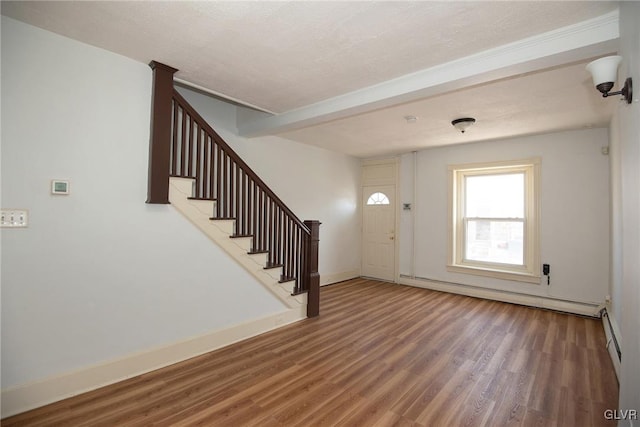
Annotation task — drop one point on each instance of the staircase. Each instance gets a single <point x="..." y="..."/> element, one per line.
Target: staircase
<point x="194" y="169"/>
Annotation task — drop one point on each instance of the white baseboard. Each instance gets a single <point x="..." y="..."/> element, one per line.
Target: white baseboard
<point x="327" y="279"/>
<point x="584" y="309"/>
<point x="33" y="395"/>
<point x="609" y="333"/>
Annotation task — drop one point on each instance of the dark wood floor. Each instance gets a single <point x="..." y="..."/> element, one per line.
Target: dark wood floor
<point x="379" y="354"/>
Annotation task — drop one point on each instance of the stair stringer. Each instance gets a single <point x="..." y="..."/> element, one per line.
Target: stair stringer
<point x="199" y="212"/>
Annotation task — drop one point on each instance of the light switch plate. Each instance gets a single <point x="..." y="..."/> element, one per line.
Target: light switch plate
<point x="14" y="218"/>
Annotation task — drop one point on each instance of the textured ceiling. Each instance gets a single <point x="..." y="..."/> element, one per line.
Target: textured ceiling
<point x="509" y="107"/>
<point x="284" y="56"/>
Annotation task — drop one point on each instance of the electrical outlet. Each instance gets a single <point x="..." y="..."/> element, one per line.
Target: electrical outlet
<point x="14" y="218"/>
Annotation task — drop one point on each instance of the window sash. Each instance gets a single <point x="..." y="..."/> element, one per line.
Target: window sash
<point x="466" y="258"/>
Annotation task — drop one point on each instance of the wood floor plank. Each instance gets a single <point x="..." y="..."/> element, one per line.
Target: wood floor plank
<point x="379" y="354"/>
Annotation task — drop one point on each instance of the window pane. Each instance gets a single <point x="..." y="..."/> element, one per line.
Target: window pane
<point x="495" y="241"/>
<point x="495" y="196"/>
<point x="378" y="199"/>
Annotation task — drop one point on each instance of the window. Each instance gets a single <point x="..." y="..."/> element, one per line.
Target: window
<point x="378" y="199"/>
<point x="494" y="220"/>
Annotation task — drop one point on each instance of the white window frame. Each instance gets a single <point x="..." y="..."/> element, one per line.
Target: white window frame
<point x="530" y="270"/>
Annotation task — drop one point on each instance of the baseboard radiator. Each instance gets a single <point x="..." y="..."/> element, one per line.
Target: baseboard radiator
<point x="550" y="303"/>
<point x="613" y="342"/>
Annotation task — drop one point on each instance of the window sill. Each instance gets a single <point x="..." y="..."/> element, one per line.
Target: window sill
<point x="496" y="274"/>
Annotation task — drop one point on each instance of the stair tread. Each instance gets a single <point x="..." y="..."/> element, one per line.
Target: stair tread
<point x="238" y="236"/>
<point x="202" y="198"/>
<point x="257" y="252"/>
<point x="224" y="218"/>
<point x="270" y="265"/>
<point x="285" y="279"/>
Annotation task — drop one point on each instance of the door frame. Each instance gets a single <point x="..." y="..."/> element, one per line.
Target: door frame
<point x="383" y="171"/>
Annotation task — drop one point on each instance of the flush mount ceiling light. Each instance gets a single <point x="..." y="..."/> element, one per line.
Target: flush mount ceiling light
<point x="604" y="72"/>
<point x="463" y="123"/>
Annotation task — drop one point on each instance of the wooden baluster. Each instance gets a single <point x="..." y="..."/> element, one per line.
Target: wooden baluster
<point x="278" y="251"/>
<point x="183" y="143"/>
<point x="254" y="209"/>
<point x="270" y="227"/>
<point x="198" y="173"/>
<point x="185" y="146"/>
<point x="231" y="194"/>
<point x="294" y="254"/>
<point x="299" y="257"/>
<point x="174" y="140"/>
<point x="218" y="181"/>
<point x="265" y="231"/>
<point x="237" y="205"/>
<point x="259" y="211"/>
<point x="244" y="204"/>
<point x="192" y="147"/>
<point x="230" y="191"/>
<point x="212" y="168"/>
<point x="209" y="172"/>
<point x="189" y="156"/>
<point x="276" y="234"/>
<point x="267" y="206"/>
<point x="285" y="271"/>
<point x="289" y="249"/>
<point x="225" y="183"/>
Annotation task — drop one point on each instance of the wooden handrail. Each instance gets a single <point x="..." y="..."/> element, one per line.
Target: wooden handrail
<point x="183" y="144"/>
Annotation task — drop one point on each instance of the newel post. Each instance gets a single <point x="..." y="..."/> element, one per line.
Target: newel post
<point x="313" y="277"/>
<point x="160" y="141"/>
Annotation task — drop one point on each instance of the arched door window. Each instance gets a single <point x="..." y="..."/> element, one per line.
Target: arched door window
<point x="378" y="199"/>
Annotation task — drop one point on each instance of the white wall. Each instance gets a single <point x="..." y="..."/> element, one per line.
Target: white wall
<point x="626" y="213"/>
<point x="99" y="274"/>
<point x="315" y="184"/>
<point x="574" y="220"/>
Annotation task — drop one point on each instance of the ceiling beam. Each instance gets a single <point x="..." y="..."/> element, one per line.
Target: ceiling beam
<point x="573" y="43"/>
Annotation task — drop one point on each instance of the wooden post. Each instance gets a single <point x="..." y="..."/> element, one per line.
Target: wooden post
<point x="160" y="141"/>
<point x="313" y="277"/>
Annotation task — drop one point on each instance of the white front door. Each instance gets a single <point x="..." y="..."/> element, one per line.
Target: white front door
<point x="378" y="232"/>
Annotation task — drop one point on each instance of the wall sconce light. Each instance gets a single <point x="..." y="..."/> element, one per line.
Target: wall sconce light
<point x="604" y="72"/>
<point x="463" y="124"/>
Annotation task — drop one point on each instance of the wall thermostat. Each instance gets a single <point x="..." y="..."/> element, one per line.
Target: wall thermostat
<point x="59" y="186"/>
